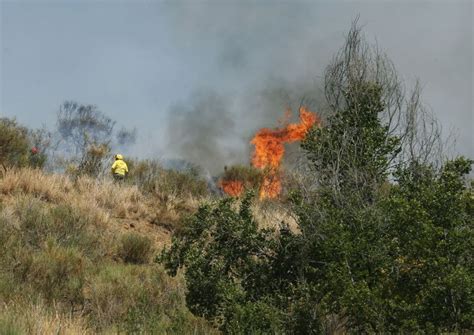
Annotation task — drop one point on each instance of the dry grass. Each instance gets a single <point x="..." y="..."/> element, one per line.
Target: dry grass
<point x="85" y="193"/>
<point x="120" y="293"/>
<point x="36" y="183"/>
<point x="28" y="318"/>
<point x="270" y="214"/>
<point x="53" y="227"/>
<point x="122" y="207"/>
<point x="103" y="200"/>
<point x="60" y="269"/>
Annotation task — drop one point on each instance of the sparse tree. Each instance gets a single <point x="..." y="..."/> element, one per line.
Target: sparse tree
<point x="87" y="135"/>
<point x="401" y="111"/>
<point x="83" y="125"/>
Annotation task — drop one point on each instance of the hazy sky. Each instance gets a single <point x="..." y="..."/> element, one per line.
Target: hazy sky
<point x="161" y="66"/>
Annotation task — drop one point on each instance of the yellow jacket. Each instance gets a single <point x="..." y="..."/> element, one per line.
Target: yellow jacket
<point x="119" y="167"/>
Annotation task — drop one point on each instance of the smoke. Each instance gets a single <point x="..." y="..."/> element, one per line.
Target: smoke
<point x="198" y="130"/>
<point x="262" y="61"/>
<point x="213" y="130"/>
<point x="143" y="62"/>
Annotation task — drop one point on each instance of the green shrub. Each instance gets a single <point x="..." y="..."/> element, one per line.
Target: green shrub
<point x="14" y="146"/>
<point x="135" y="248"/>
<point x="255" y="318"/>
<point x="16" y="143"/>
<point x="226" y="258"/>
<point x="387" y="265"/>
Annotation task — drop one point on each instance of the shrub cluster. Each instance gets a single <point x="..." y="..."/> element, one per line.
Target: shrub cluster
<point x="391" y="266"/>
<point x="135" y="248"/>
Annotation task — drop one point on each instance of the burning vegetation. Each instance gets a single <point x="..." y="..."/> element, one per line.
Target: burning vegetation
<point x="233" y="188"/>
<point x="268" y="155"/>
<point x="238" y="178"/>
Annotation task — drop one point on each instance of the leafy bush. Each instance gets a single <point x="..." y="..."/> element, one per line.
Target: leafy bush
<point x="182" y="183"/>
<point x="225" y="254"/>
<point x="17" y="143"/>
<point x="14" y="145"/>
<point x="135" y="248"/>
<point x="255" y="318"/>
<point x="41" y="142"/>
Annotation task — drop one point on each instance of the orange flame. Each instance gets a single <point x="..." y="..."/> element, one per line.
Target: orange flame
<point x="234" y="188"/>
<point x="269" y="152"/>
<point x="270" y="149"/>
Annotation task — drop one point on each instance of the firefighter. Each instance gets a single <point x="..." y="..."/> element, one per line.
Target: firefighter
<point x="119" y="168"/>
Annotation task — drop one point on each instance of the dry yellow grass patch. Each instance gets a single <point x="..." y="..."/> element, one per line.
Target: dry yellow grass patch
<point x="121" y="200"/>
<point x="36" y="183"/>
<point x="100" y="198"/>
<point x="274" y="215"/>
<point x="119" y="207"/>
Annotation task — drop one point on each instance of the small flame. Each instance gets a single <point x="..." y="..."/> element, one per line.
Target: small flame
<point x="234" y="188"/>
<point x="271" y="185"/>
<point x="270" y="149"/>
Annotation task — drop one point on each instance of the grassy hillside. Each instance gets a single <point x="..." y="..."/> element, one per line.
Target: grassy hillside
<point x="77" y="257"/>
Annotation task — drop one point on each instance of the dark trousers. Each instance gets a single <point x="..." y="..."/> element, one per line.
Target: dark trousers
<point x="118" y="177"/>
